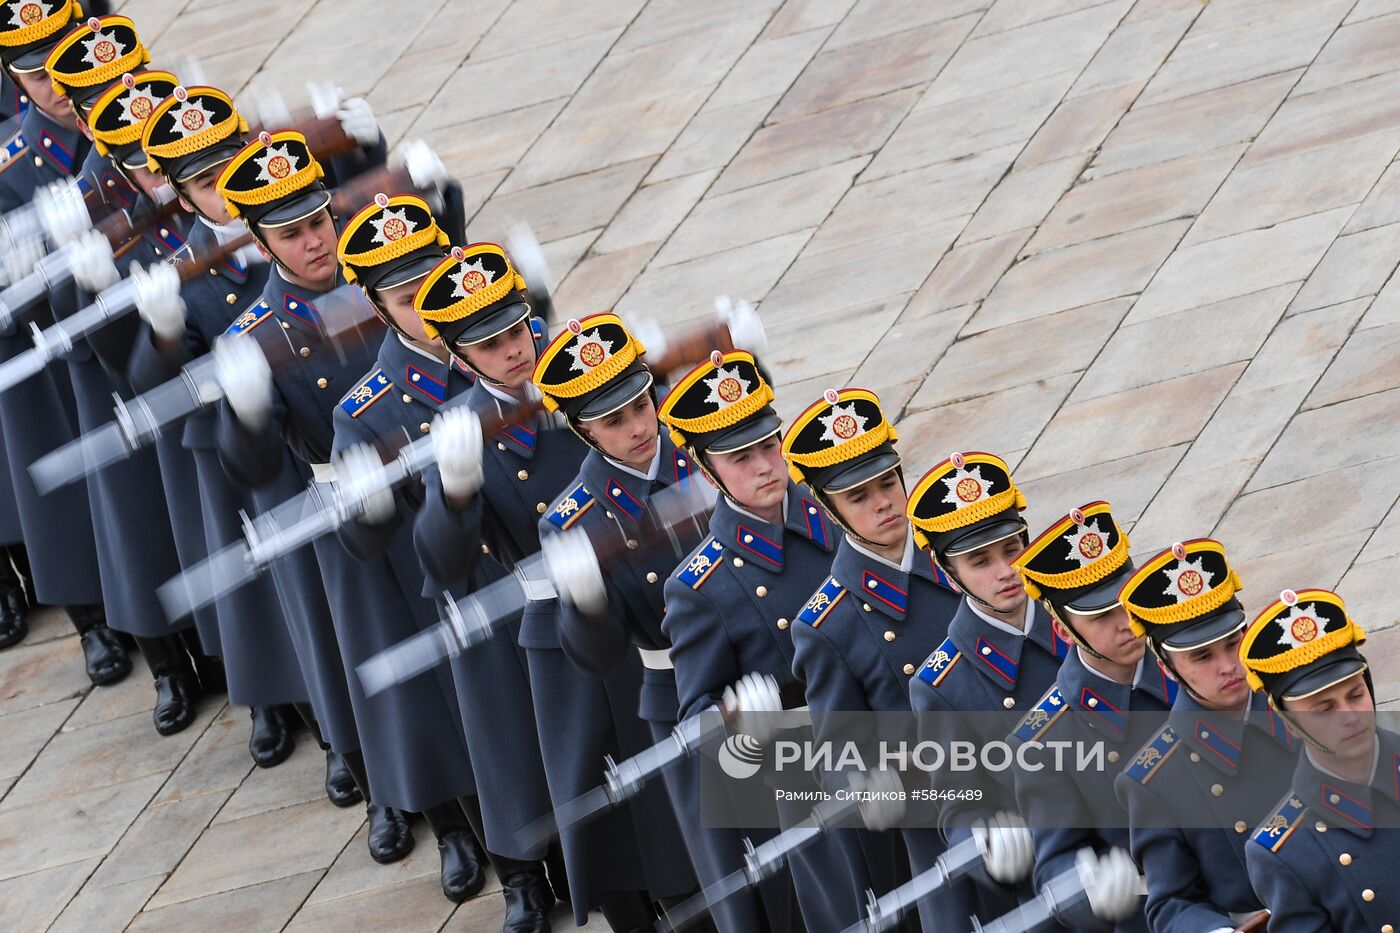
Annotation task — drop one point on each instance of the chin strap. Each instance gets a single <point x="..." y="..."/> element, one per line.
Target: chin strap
<point x="1074" y="636"/>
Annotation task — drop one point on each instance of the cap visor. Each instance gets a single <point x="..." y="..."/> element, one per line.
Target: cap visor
<point x="298" y="208"/>
<point x="1103" y="596"/>
<point x="981" y="535"/>
<point x="1327" y="676"/>
<point x="131" y="157"/>
<point x="861" y="472"/>
<point x="1207" y="631"/>
<point x="201" y="162"/>
<point x="401" y="272"/>
<point x="745" y="434"/>
<point x="33" y="60"/>
<point x="483" y="326"/>
<point x="616" y="396"/>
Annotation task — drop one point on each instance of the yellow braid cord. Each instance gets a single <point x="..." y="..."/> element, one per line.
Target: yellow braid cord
<point x="43" y="28"/>
<point x="197" y="142"/>
<point x="1114" y="558"/>
<point x="1202" y="604"/>
<point x="482" y="298"/>
<point x="841" y="453"/>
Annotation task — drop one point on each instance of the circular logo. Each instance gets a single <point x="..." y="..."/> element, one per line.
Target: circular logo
<point x="1179" y="551"/>
<point x="1190" y="582"/>
<point x="381" y="199"/>
<point x="180" y="94"/>
<point x="1304" y="628"/>
<point x="741" y="756"/>
<point x="1091" y="545"/>
<point x="141" y="108"/>
<point x="1076" y="516"/>
<point x="957" y="460"/>
<point x="716" y="358"/>
<point x="128" y="81"/>
<point x="831" y="396"/>
<point x="472" y="280"/>
<point x="844" y="427"/>
<point x="279" y="167"/>
<point x="1288" y="598"/>
<point x="574" y="326"/>
<point x="969" y="490"/>
<point x="192" y="120"/>
<point x="104" y="51"/>
<point x="31" y="13"/>
<point x="458" y="253"/>
<point x="591" y="354"/>
<point x="265" y="138"/>
<point x="730" y="390"/>
<point x="395" y="229"/>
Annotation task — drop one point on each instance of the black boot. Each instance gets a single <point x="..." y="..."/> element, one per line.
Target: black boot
<point x="14" y="604"/>
<point x="341" y="788"/>
<point x="209" y="668"/>
<point x="271" y="742"/>
<point x="629" y="912"/>
<point x="390" y="837"/>
<point x="176" y="685"/>
<point x="103" y="653"/>
<point x="463" y="859"/>
<point x="529" y="897"/>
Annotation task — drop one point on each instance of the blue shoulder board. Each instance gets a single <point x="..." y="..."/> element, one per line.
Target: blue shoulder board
<point x="703" y="561"/>
<point x="937" y="665"/>
<point x="822" y="602"/>
<point x="537" y="328"/>
<point x="13" y="147"/>
<point x="370" y="390"/>
<point x="578" y="501"/>
<point x="1279" y="825"/>
<point x="249" y="319"/>
<point x="1051" y="707"/>
<point x="1150" y="758"/>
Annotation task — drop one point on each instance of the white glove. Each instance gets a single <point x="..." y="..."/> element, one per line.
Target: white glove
<point x="1111" y="881"/>
<point x="358" y="479"/>
<point x="1007" y="848"/>
<point x="158" y="299"/>
<point x="457" y="446"/>
<point x="325" y="98"/>
<point x="62" y="212"/>
<point x="270" y="107"/>
<point x="243" y="374"/>
<point x="424" y="167"/>
<point x="884" y="805"/>
<point x="90" y="260"/>
<point x="357" y="120"/>
<point x="527" y="256"/>
<point x="750" y="698"/>
<point x="651" y="336"/>
<point x="573" y="568"/>
<point x="21" y="257"/>
<point x="745" y="329"/>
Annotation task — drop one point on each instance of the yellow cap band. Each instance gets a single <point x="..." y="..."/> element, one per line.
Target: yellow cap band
<point x="42" y="29"/>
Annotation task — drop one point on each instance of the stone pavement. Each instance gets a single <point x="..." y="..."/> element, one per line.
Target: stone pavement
<point x="1144" y="250"/>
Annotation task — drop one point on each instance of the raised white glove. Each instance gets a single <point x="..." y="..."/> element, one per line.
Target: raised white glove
<point x="424" y="167"/>
<point x="359" y="480"/>
<point x="745" y="329"/>
<point x="90" y="260"/>
<point x="456" y="435"/>
<point x="270" y="107"/>
<point x="751" y="697"/>
<point x="62" y="212"/>
<point x="243" y="374"/>
<point x="325" y="98"/>
<point x="20" y="257"/>
<point x="158" y="299"/>
<point x="573" y="568"/>
<point x="527" y="256"/>
<point x="651" y="336"/>
<point x="358" y="121"/>
<point x="1111" y="881"/>
<point x="881" y="797"/>
<point x="1007" y="847"/>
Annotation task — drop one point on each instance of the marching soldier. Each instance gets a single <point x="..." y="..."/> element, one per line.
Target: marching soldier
<point x="282" y="378"/>
<point x="187" y="139"/>
<point x="393" y="249"/>
<point x="1210" y="774"/>
<point x="1001" y="654"/>
<point x="1076" y="568"/>
<point x="594" y="372"/>
<point x="40" y="414"/>
<point x="1325" y="857"/>
<point x="136" y="549"/>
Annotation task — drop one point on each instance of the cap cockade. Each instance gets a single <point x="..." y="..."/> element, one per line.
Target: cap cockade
<point x="720" y="406"/>
<point x="840" y="442"/>
<point x="1079" y="562"/>
<point x="1303" y="643"/>
<point x="1184" y="597"/>
<point x="964" y="503"/>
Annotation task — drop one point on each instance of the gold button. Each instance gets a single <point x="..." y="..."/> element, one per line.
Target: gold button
<point x="1008" y="702"/>
<point x="540" y="507"/>
<point x="424" y="427"/>
<point x="305" y="351"/>
<point x="38" y="161"/>
<point x="748" y="539"/>
<point x="631" y="544"/>
<point x="1240" y="826"/>
<point x="500" y="446"/>
<point x="1216" y="790"/>
<point x="908" y="669"/>
<point x="414" y="377"/>
<point x="865" y="606"/>
<point x="1334" y="799"/>
<point x="211" y="271"/>
<point x="738" y="562"/>
<point x="1387" y="928"/>
<point x="407" y="398"/>
<point x="889" y="636"/>
<point x="1112" y="757"/>
<point x="651" y="577"/>
<point x="760" y="591"/>
<point x="1196" y="759"/>
<point x="48" y="143"/>
<point x="1344" y="858"/>
<point x="680" y="461"/>
<point x="1368" y="895"/>
<point x="230" y="298"/>
<point x="24" y="98"/>
<point x="156" y="251"/>
<point x="522" y="475"/>
<point x="1091" y="702"/>
<point x="783" y="624"/>
<point x="164" y="232"/>
<point x="1204" y="735"/>
<point x="811" y="510"/>
<point x="485" y="549"/>
<point x="986" y="650"/>
<point x="1320" y="826"/>
<point x="322" y="382"/>
<point x="291" y="306"/>
<point x="285" y="325"/>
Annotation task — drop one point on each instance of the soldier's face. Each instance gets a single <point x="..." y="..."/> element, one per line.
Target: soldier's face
<point x="397" y="302"/>
<point x="875" y="510"/>
<point x="507" y="358"/>
<point x="756" y="477"/>
<point x="987" y="574"/>
<point x="1341" y="718"/>
<point x="1214" y="673"/>
<point x="149" y="182"/>
<point x="201" y="194"/>
<point x="305" y="249"/>
<point x="628" y="435"/>
<point x="39" y="89"/>
<point x="1109" y="634"/>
